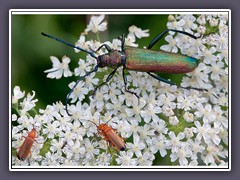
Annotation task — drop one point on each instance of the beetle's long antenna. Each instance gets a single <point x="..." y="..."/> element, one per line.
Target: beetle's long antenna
<point x="159" y="36"/>
<point x="75" y="85"/>
<point x="81" y="78"/>
<point x="68" y="44"/>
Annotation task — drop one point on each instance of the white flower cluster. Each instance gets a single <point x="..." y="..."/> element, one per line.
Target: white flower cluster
<point x="188" y="127"/>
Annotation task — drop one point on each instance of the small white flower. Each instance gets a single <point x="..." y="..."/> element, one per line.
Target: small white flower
<point x="173" y="120"/>
<point x="175" y="141"/>
<point x="196" y="148"/>
<point x="173" y="25"/>
<point x="193" y="163"/>
<point x="221" y="40"/>
<point x="104" y="159"/>
<point x="189" y="117"/>
<point x="220" y="120"/>
<point x="159" y="144"/>
<point x="202" y="131"/>
<point x="217" y="70"/>
<point x="134" y="127"/>
<point x="59" y="69"/>
<point x="138" y="32"/>
<point x="205" y="112"/>
<point x="25" y="122"/>
<point x="167" y="111"/>
<point x="82" y="68"/>
<point x="122" y="127"/>
<point x="188" y="132"/>
<point x="56" y="146"/>
<point x="16" y="133"/>
<point x="130" y="40"/>
<point x="211" y="154"/>
<point x="91" y="149"/>
<point x="126" y="159"/>
<point x="182" y="154"/>
<point x="198" y="78"/>
<point x="52" y="129"/>
<point x="171" y="47"/>
<point x="96" y="24"/>
<point x="185" y="102"/>
<point x="137" y="78"/>
<point x="167" y="101"/>
<point x="201" y="19"/>
<point x="213" y="22"/>
<point x="150" y="113"/>
<point x="28" y="103"/>
<point x="114" y="106"/>
<point x="208" y="54"/>
<point x="78" y="130"/>
<point x="91" y="81"/>
<point x="17" y="94"/>
<point x="76" y="150"/>
<point x="146" y="159"/>
<point x="137" y="146"/>
<point x="50" y="159"/>
<point x="82" y="43"/>
<point x="187" y="22"/>
<point x="79" y="91"/>
<point x="136" y="109"/>
<point x="159" y="126"/>
<point x="98" y="101"/>
<point x="213" y="133"/>
<point x="146" y="132"/>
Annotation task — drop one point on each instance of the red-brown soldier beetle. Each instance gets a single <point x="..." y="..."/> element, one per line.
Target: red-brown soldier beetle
<point x="110" y="135"/>
<point x="25" y="148"/>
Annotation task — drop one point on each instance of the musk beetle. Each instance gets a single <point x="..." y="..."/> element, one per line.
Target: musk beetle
<point x="139" y="59"/>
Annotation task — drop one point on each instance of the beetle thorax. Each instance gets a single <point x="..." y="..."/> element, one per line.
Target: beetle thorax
<point x="111" y="59"/>
<point x="32" y="134"/>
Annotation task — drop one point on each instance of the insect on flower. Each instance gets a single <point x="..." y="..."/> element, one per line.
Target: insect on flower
<point x="25" y="148"/>
<point x="138" y="59"/>
<point x="64" y="144"/>
<point x="110" y="135"/>
<point x="156" y="133"/>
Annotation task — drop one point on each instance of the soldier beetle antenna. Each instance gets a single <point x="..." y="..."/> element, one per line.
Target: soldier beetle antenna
<point x="108" y="120"/>
<point x="93" y="123"/>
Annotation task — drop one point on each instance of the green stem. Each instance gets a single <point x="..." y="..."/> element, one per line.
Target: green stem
<point x="34" y="110"/>
<point x="98" y="37"/>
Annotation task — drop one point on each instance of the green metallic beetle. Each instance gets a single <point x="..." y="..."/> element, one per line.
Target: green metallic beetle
<point x="138" y="59"/>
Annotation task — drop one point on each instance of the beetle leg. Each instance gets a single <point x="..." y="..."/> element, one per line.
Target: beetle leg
<point x="108" y="79"/>
<point x="23" y="137"/>
<point x="104" y="45"/>
<point x="160" y="35"/>
<point x="125" y="84"/>
<point x="173" y="83"/>
<point x="80" y="79"/>
<point x="122" y="38"/>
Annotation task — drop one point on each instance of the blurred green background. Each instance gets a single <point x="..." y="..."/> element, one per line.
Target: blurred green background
<point x="30" y="51"/>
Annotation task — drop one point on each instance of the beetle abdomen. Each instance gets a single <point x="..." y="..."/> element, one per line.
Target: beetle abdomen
<point x="147" y="60"/>
<point x="25" y="149"/>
